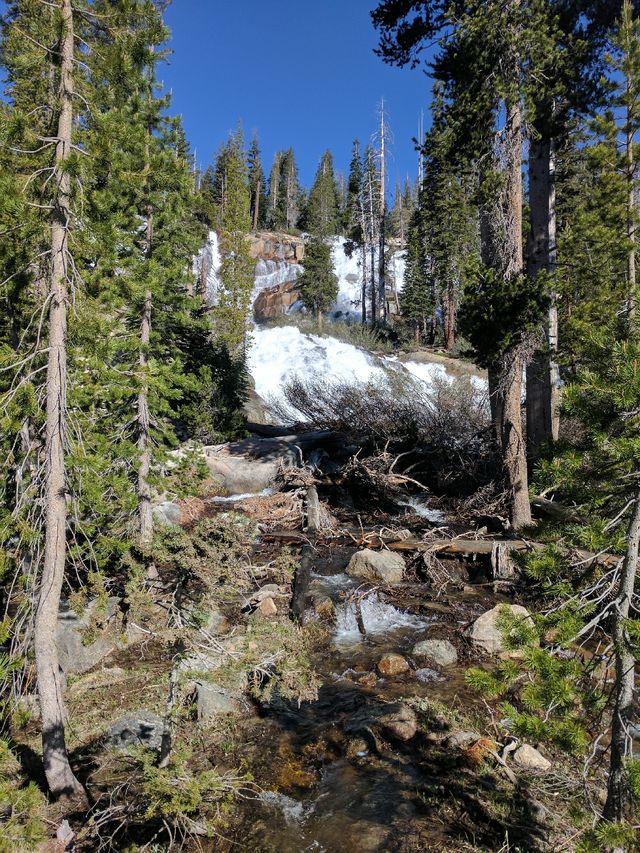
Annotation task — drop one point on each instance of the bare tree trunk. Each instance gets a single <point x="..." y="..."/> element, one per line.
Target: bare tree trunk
<point x="543" y="379"/>
<point x="449" y="316"/>
<point x="256" y="207"/>
<point x="364" y="283"/>
<point x="618" y="790"/>
<point x="513" y="446"/>
<point x="374" y="307"/>
<point x="60" y="777"/>
<point x="145" y="512"/>
<point x="512" y="442"/>
<point x="382" y="296"/>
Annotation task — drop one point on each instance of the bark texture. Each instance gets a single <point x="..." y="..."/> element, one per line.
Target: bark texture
<point x="618" y="792"/>
<point x="543" y="377"/>
<point x="60" y="777"/>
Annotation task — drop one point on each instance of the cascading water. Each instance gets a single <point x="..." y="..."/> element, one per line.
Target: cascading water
<point x="379" y="619"/>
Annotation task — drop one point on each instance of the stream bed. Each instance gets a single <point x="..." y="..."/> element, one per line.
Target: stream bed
<point x="349" y="770"/>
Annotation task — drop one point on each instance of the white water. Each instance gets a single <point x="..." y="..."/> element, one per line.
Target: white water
<point x="420" y="508"/>
<point x="378" y="619"/>
<point x="270" y="274"/>
<point x="218" y="499"/>
<point x="281" y="353"/>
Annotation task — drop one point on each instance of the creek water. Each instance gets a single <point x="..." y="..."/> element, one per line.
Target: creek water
<point x="338" y="784"/>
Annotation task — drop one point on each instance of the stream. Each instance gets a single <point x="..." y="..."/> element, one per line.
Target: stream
<point x="341" y="780"/>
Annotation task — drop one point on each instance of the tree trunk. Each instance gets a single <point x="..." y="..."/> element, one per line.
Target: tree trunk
<point x="618" y="791"/>
<point x="382" y="296"/>
<point x="512" y="442"/>
<point x="374" y="311"/>
<point x="364" y="284"/>
<point x="256" y="207"/>
<point x="631" y="202"/>
<point x="60" y="777"/>
<point x="513" y="447"/>
<point x="543" y="380"/>
<point x="449" y="317"/>
<point x="144" y="438"/>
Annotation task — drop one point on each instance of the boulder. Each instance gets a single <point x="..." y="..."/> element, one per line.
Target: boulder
<point x="485" y="634"/>
<point x="441" y="652"/>
<point x="213" y="701"/>
<point x="529" y="758"/>
<point x="167" y="513"/>
<point x="143" y="729"/>
<point x="392" y="664"/>
<point x="275" y="301"/>
<point x="461" y="740"/>
<point x="398" y="721"/>
<point x="377" y="566"/>
<point x="267" y="608"/>
<point x="251" y="465"/>
<point x="75" y="655"/>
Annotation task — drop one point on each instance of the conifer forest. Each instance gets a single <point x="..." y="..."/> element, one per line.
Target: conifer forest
<point x="320" y="497"/>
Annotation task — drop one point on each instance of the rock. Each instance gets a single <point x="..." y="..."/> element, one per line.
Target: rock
<point x="529" y="758"/>
<point x="427" y="675"/>
<point x="357" y="748"/>
<point x="441" y="652"/>
<point x="217" y="623"/>
<point x="398" y="721"/>
<point x="392" y="664"/>
<point x="142" y="729"/>
<point x="385" y="566"/>
<point x="76" y="656"/>
<point x="485" y="634"/>
<point x="213" y="701"/>
<point x="461" y="740"/>
<point x="251" y="465"/>
<point x="369" y="679"/>
<point x="326" y="610"/>
<point x="275" y="301"/>
<point x="167" y="513"/>
<point x="267" y="608"/>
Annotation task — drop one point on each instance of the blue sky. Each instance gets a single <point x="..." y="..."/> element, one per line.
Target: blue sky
<point x="301" y="72"/>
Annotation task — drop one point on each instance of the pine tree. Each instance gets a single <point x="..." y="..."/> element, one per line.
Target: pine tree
<point x="289" y="198"/>
<point x="354" y="219"/>
<point x="273" y="209"/>
<point x="237" y="267"/>
<point x="417" y="299"/>
<point x="257" y="187"/>
<point x="321" y="215"/>
<point x="318" y="283"/>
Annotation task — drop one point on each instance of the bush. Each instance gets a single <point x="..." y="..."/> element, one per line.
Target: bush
<point x="444" y="428"/>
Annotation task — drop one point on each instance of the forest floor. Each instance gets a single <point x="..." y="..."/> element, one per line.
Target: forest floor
<point x="360" y="746"/>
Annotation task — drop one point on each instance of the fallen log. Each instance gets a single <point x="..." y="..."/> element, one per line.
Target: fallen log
<point x="459" y="547"/>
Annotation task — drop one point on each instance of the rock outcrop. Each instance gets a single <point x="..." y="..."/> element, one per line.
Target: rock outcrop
<point x="274" y="301"/>
<point x="268" y="245"/>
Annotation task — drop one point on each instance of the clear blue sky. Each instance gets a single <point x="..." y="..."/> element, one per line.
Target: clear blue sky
<point x="301" y="72"/>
